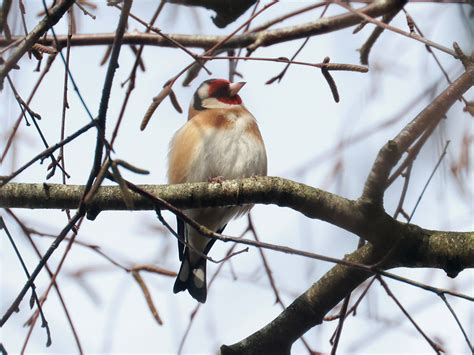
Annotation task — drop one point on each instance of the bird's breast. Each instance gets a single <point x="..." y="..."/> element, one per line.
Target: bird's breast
<point x="232" y="148"/>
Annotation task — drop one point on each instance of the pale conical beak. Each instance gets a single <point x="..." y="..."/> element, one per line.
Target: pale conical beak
<point x="234" y="88"/>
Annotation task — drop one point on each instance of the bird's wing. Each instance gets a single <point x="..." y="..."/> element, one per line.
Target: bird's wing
<point x="181" y="230"/>
<point x="211" y="243"/>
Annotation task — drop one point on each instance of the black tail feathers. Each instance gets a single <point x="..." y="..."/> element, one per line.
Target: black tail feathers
<point x="192" y="278"/>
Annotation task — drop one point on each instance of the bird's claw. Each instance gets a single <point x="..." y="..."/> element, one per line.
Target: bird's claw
<point x="217" y="179"/>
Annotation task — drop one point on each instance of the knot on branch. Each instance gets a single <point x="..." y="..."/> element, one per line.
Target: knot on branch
<point x="453" y="267"/>
<point x="467" y="61"/>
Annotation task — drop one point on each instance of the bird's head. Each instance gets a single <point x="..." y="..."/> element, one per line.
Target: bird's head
<point x="216" y="93"/>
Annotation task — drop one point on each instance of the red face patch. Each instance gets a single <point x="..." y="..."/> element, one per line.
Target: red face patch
<point x="235" y="100"/>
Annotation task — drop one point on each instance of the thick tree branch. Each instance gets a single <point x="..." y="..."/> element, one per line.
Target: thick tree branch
<point x="408" y="245"/>
<point x="261" y="38"/>
<point x="436" y="249"/>
<point x="308" y="310"/>
<point x="312" y="202"/>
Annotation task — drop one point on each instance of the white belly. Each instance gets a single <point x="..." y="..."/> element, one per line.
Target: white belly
<point x="232" y="153"/>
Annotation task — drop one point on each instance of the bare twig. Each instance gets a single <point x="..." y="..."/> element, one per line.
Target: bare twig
<point x="436" y="347"/>
<point x="282" y="18"/>
<point x="391" y="152"/>
<point x="146" y="293"/>
<point x="34" y="297"/>
<point x="16" y="303"/>
<point x="342" y="317"/>
<point x="106" y="91"/>
<point x="397" y="30"/>
<point x="267" y="38"/>
<point x="48" y="21"/>
<point x="367" y="46"/>
<point x="463" y="331"/>
<point x="324" y="65"/>
<point x="132" y="77"/>
<point x="413" y="152"/>
<point x="28" y="232"/>
<point x="32" y="320"/>
<point x="47" y="152"/>
<point x="443" y="154"/>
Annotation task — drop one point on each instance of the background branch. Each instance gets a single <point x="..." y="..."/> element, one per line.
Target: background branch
<point x="308" y="310"/>
<point x="261" y="38"/>
<point x="391" y="152"/>
<point x="49" y="20"/>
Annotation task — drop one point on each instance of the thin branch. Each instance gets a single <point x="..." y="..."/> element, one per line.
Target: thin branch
<point x="32" y="320"/>
<point x="16" y="303"/>
<point x="28" y="232"/>
<point x="323" y="65"/>
<point x="406" y="181"/>
<point x="264" y="38"/>
<point x="34" y="118"/>
<point x="383" y="25"/>
<point x="150" y="28"/>
<point x="443" y="154"/>
<point x="34" y="297"/>
<point x="413" y="152"/>
<point x="147" y="295"/>
<point x="391" y="152"/>
<point x="313" y="203"/>
<point x="266" y="265"/>
<point x="353" y="308"/>
<point x="132" y="77"/>
<point x="342" y="318"/>
<point x="48" y="21"/>
<point x="451" y="310"/>
<point x="106" y="91"/>
<point x="282" y="18"/>
<point x="47" y="152"/>
<point x="45" y="70"/>
<point x="367" y="46"/>
<point x="436" y="347"/>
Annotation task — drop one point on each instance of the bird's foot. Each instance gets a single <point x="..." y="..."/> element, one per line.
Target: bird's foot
<point x="218" y="179"/>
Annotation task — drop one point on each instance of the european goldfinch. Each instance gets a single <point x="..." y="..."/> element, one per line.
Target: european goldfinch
<point x="220" y="140"/>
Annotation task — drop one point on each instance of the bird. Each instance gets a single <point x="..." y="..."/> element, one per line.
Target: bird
<point x="220" y="141"/>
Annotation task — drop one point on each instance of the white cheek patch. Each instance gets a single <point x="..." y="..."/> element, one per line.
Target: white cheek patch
<point x="199" y="277"/>
<point x="203" y="91"/>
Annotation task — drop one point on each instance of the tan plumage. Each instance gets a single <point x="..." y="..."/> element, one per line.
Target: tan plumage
<point x="193" y="133"/>
<point x="222" y="140"/>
